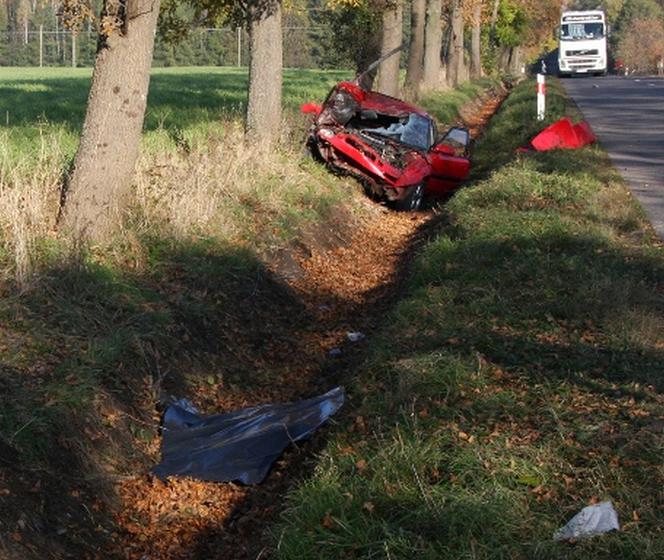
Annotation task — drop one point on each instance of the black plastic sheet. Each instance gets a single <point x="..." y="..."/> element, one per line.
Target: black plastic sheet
<point x="240" y="445"/>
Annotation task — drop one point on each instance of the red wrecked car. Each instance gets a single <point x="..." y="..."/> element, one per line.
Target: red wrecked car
<point x="389" y="145"/>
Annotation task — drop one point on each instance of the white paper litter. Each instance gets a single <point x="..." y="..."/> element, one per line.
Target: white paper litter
<point x="590" y="521"/>
<point x="355" y="336"/>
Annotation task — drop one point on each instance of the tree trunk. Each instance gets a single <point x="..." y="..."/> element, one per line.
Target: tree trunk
<point x="416" y="49"/>
<point x="105" y="160"/>
<point x="516" y="62"/>
<point x="455" y="62"/>
<point x="504" y="59"/>
<point x="370" y="53"/>
<point x="494" y="15"/>
<point x="263" y="124"/>
<point x="476" y="42"/>
<point x="388" y="73"/>
<point x="433" y="38"/>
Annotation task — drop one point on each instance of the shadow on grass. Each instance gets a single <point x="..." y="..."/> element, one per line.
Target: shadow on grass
<point x="206" y="322"/>
<point x="101" y="349"/>
<point x="178" y="97"/>
<point x="549" y="313"/>
<point x="562" y="285"/>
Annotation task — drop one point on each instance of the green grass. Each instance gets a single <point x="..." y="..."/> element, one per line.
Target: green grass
<point x="183" y="102"/>
<point x="181" y="302"/>
<point x="89" y="324"/>
<point x="519" y="380"/>
<point x="444" y="105"/>
<point x="178" y="96"/>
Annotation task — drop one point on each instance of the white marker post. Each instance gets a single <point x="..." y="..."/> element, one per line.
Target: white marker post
<point x="541" y="96"/>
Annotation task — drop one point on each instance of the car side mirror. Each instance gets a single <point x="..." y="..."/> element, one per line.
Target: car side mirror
<point x="456" y="136"/>
<point x="454" y="143"/>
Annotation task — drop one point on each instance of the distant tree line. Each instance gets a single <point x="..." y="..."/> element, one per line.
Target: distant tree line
<point x="496" y="35"/>
<point x="22" y="21"/>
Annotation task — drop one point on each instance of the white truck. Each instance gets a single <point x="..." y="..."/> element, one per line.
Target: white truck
<point x="582" y="45"/>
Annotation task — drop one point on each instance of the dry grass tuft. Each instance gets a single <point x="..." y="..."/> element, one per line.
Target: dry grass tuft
<point x="221" y="189"/>
<point x="229" y="190"/>
<point x="29" y="195"/>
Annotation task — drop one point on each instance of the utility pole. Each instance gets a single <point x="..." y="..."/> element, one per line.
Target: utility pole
<point x="73" y="50"/>
<point x="239" y="47"/>
<point x="57" y="38"/>
<point x="41" y="45"/>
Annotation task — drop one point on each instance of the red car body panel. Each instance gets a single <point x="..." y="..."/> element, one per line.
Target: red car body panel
<point x="379" y="102"/>
<point x="453" y="168"/>
<point x="345" y="145"/>
<point x="565" y="135"/>
<point x="417" y="170"/>
<point x="365" y="156"/>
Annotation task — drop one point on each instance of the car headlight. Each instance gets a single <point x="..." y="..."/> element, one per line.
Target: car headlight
<point x="343" y="106"/>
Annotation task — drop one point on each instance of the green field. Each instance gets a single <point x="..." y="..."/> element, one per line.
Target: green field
<point x="183" y="102"/>
<point x="178" y="96"/>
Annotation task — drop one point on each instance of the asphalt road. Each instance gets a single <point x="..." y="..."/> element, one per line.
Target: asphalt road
<point x="627" y="115"/>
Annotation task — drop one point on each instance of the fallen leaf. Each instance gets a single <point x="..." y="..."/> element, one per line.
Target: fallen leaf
<point x="328" y="521"/>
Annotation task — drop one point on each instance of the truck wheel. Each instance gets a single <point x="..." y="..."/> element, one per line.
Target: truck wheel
<point x="413" y="199"/>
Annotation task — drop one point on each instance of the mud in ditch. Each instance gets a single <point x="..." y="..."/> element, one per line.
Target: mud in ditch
<point x="344" y="288"/>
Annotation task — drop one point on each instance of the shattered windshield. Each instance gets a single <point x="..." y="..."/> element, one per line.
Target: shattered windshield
<point x="416" y="131"/>
<point x="581" y="31"/>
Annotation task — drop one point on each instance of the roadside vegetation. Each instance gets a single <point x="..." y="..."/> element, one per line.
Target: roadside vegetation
<point x="187" y="298"/>
<point x="180" y="254"/>
<point x="519" y="381"/>
<point x="197" y="177"/>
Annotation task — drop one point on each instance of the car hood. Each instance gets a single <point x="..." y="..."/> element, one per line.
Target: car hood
<point x="381" y="103"/>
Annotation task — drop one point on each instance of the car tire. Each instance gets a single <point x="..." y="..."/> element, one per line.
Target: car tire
<point x="412" y="202"/>
<point x="310" y="151"/>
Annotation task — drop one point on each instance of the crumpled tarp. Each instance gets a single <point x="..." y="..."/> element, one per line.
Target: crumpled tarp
<point x="240" y="445"/>
<point x="590" y="521"/>
<point x="563" y="135"/>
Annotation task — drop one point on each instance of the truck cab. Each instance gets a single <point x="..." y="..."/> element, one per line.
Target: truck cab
<point x="582" y="43"/>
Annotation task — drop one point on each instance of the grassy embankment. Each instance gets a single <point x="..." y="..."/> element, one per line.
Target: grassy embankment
<point x="518" y="381"/>
<point x="181" y="301"/>
<point x="195" y="174"/>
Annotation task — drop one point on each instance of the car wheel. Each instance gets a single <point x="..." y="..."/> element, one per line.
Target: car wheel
<point x="413" y="199"/>
<point x="310" y="150"/>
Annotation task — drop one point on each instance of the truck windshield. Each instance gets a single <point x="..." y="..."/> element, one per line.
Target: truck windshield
<point x="581" y="31"/>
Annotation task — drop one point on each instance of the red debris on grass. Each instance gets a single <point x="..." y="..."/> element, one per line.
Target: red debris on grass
<point x="563" y="135"/>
